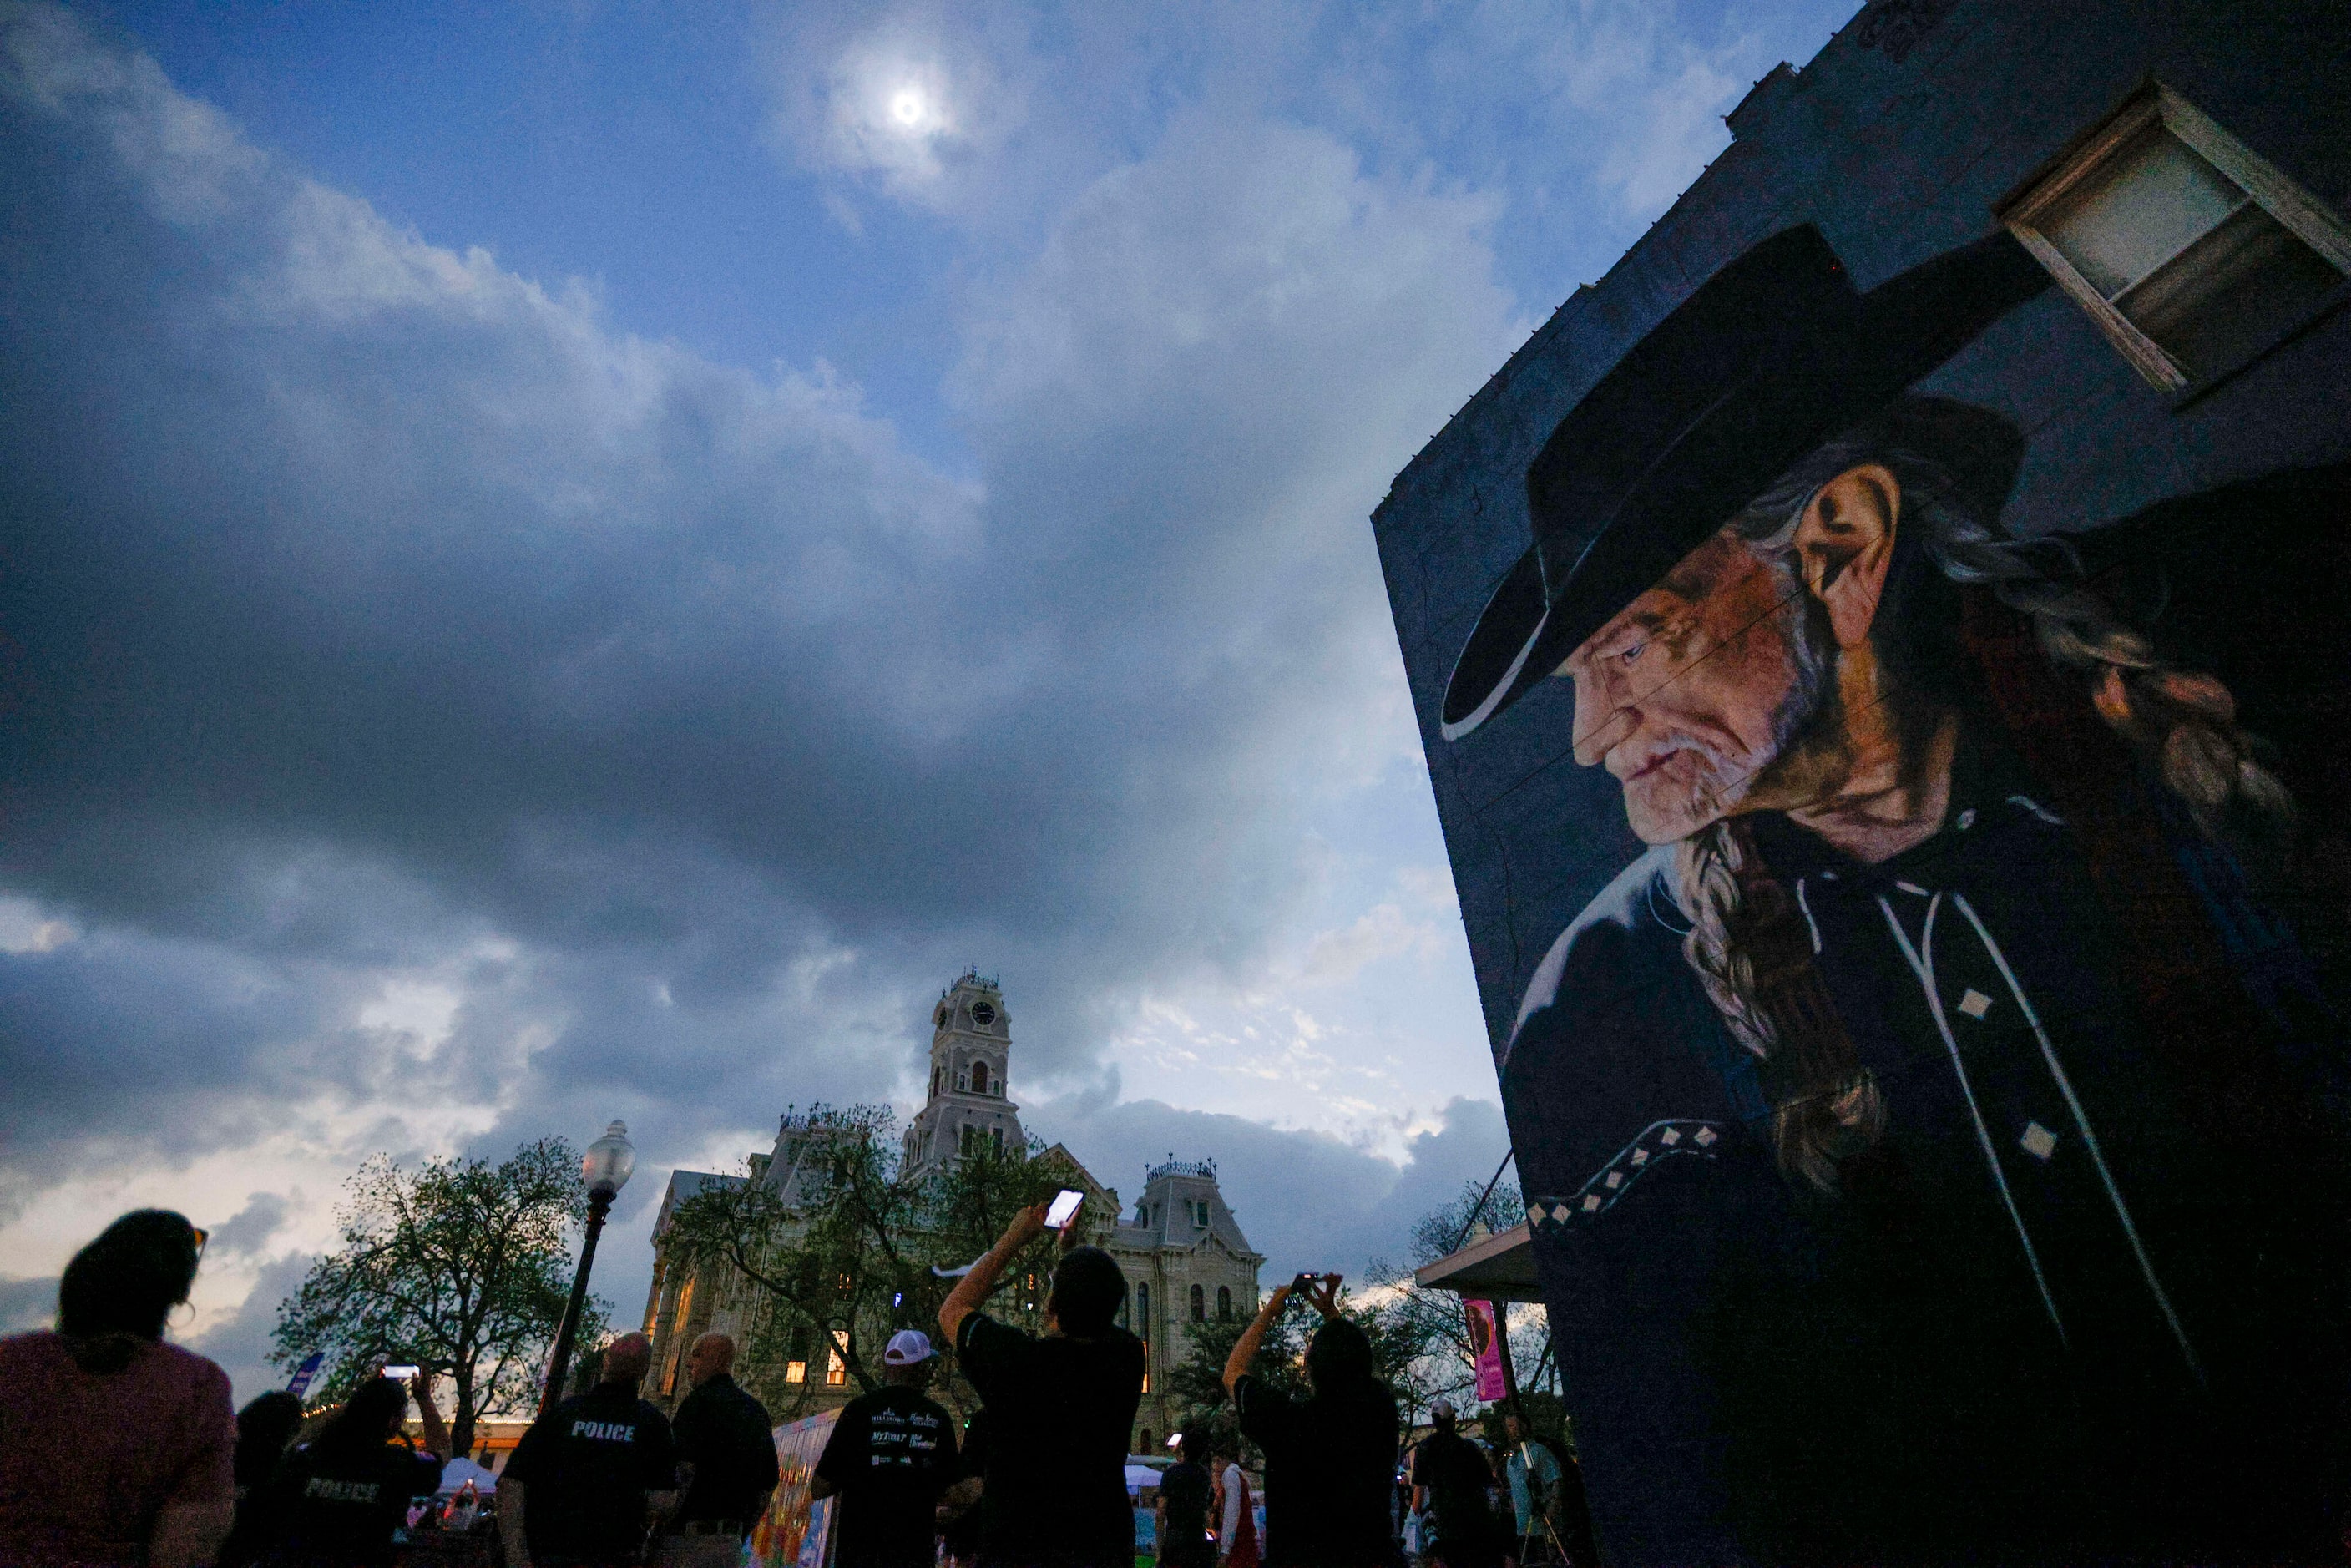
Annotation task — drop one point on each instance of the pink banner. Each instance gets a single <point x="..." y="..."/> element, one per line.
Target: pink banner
<point x="1486" y="1342"/>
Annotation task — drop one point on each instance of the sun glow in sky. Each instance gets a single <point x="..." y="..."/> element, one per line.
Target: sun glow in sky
<point x="897" y="109"/>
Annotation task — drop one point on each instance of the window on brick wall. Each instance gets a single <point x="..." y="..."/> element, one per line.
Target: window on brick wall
<point x="1199" y="1305"/>
<point x="2191" y="251"/>
<point x="1143" y="1311"/>
<point x="1224" y="1303"/>
<point x="796" y="1367"/>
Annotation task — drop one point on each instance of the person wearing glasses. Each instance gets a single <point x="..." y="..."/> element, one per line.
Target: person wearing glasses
<point x="116" y="1447"/>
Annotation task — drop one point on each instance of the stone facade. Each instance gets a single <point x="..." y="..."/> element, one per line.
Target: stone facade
<point x="1186" y="1262"/>
<point x="971" y="1044"/>
<point x="1182" y="1250"/>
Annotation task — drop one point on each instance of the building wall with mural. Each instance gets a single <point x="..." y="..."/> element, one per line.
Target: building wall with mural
<point x="1880" y="654"/>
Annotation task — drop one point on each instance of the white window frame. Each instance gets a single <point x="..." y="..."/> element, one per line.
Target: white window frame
<point x="2293" y="207"/>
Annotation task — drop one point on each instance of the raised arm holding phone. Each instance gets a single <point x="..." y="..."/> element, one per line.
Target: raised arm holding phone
<point x="1329" y="1459"/>
<point x="343" y="1497"/>
<point x="1060" y="1406"/>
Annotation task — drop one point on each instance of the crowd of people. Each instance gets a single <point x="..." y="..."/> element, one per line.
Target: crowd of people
<point x="117" y="1447"/>
<point x="1046" y="1454"/>
<point x="1464" y="1506"/>
<point x="120" y="1450"/>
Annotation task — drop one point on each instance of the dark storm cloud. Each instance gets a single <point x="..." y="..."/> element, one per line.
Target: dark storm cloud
<point x="249" y="1228"/>
<point x="370" y="609"/>
<point x="241" y="1341"/>
<point x="26" y="1304"/>
<point x="136" y="1040"/>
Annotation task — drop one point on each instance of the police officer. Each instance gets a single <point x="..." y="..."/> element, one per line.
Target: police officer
<point x="581" y="1485"/>
<point x="891" y="1454"/>
<point x="726" y="1462"/>
<point x="340" y="1498"/>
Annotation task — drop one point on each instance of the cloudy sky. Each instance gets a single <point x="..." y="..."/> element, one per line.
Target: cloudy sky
<point x="571" y="561"/>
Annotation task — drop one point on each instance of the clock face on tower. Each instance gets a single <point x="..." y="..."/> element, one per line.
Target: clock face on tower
<point x="982" y="1014"/>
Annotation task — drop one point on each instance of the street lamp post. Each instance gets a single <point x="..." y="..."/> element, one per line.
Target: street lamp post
<point x="606" y="1165"/>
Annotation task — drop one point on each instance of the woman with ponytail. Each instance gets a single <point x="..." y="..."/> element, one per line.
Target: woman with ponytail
<point x="116" y="1447"/>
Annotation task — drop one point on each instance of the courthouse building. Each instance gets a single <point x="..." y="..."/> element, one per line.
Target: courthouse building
<point x="1182" y="1249"/>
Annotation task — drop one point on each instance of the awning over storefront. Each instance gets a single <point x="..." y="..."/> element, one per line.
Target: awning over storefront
<point x="1496" y="1268"/>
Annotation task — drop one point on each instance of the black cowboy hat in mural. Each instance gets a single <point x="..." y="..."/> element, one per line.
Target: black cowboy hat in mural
<point x="1771" y="356"/>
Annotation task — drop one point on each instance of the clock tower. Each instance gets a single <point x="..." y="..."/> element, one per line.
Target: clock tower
<point x="971" y="1040"/>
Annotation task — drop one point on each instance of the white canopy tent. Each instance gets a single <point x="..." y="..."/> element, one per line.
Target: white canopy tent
<point x="460" y="1470"/>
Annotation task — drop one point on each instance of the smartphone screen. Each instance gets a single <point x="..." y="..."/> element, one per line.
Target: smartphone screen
<point x="1064" y="1209"/>
<point x="401" y="1373"/>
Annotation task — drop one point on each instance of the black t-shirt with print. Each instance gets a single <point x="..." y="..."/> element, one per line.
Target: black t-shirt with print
<point x="1060" y="1410"/>
<point x="891" y="1454"/>
<point x="585" y="1466"/>
<point x="342" y="1508"/>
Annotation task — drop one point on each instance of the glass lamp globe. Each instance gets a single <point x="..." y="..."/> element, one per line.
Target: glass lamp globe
<point x="609" y="1161"/>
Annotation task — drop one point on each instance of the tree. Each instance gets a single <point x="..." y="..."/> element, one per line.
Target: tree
<point x="1197" y="1386"/>
<point x="848" y="1261"/>
<point x="460" y="1267"/>
<point x="1423" y="1335"/>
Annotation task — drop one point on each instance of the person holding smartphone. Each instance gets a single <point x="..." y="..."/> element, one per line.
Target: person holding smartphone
<point x="343" y="1494"/>
<point x="1059" y="1407"/>
<point x="1329" y="1459"/>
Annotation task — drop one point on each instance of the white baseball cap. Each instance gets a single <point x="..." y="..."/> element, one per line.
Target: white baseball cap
<point x="1442" y="1410"/>
<point x="906" y="1347"/>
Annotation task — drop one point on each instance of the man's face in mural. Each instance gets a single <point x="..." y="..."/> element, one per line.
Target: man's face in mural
<point x="1717" y="690"/>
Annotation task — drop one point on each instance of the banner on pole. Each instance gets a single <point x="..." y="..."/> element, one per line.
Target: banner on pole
<point x="306" y="1372"/>
<point x="1485" y="1342"/>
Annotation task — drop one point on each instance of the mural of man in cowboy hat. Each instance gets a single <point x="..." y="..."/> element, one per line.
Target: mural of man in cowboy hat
<point x="1935" y="1146"/>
